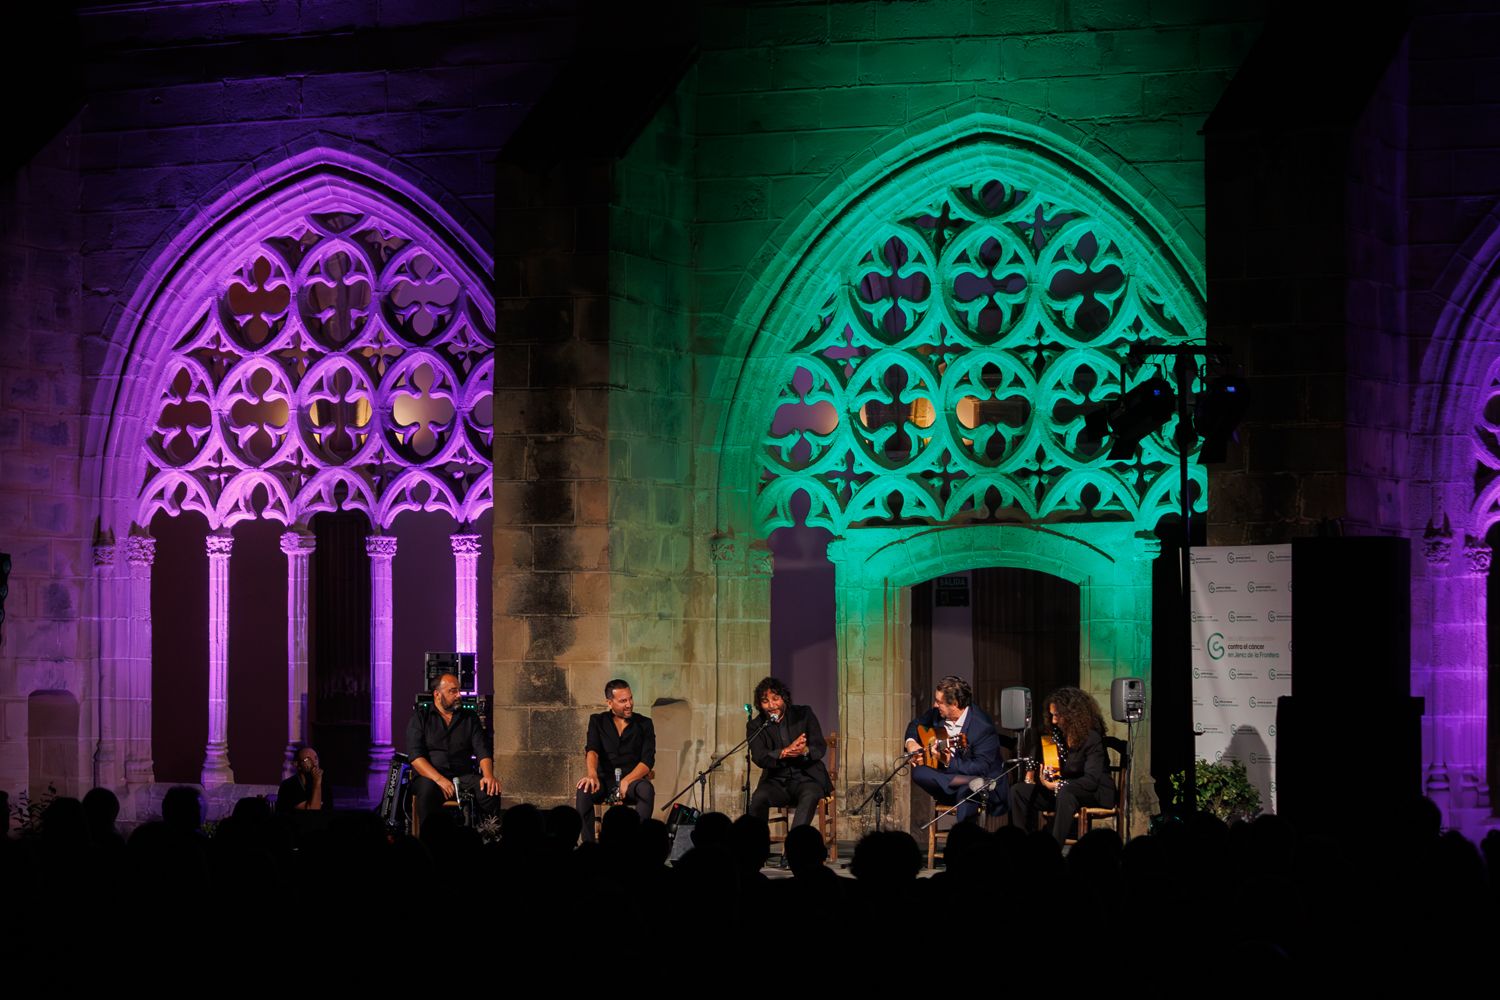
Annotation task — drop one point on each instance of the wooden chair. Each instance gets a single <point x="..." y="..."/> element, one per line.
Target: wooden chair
<point x="1088" y="814"/>
<point x="828" y="806"/>
<point x="933" y="836"/>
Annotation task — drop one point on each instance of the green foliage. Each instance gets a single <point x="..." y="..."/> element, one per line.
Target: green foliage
<point x="1224" y="789"/>
<point x="26" y="815"/>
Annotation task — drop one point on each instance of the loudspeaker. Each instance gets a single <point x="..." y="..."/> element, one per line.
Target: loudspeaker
<point x="680" y="823"/>
<point x="1015" y="708"/>
<point x="1127" y="699"/>
<point x="459" y="664"/>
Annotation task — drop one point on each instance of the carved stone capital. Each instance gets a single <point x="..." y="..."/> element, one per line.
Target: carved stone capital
<point x="219" y="546"/>
<point x="762" y="560"/>
<point x="104" y="555"/>
<point x="1437" y="543"/>
<point x="298" y="543"/>
<point x="140" y="550"/>
<point x="724" y="548"/>
<point x="380" y="546"/>
<point x="464" y="545"/>
<point x="1477" y="556"/>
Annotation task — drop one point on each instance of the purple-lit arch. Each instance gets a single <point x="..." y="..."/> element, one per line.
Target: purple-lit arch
<point x="334" y="330"/>
<point x="1454" y="504"/>
<point x="316" y="336"/>
<point x="324" y="262"/>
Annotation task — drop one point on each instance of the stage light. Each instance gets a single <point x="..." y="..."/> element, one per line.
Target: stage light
<point x="1220" y="407"/>
<point x="1127" y="420"/>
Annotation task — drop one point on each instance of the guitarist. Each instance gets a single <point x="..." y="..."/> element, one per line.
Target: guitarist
<point x="954" y="714"/>
<point x="1082" y="780"/>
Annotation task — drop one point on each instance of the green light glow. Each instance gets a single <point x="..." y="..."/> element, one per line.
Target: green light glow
<point x="944" y="360"/>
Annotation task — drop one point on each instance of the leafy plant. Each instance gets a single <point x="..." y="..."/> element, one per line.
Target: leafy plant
<point x="26" y="815"/>
<point x="1224" y="789"/>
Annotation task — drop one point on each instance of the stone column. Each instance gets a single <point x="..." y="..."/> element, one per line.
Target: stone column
<point x="216" y="769"/>
<point x="466" y="603"/>
<point x="135" y="684"/>
<point x="382" y="551"/>
<point x="299" y="549"/>
<point x="108" y="759"/>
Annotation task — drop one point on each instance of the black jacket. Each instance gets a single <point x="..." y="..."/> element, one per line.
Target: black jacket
<point x="766" y="746"/>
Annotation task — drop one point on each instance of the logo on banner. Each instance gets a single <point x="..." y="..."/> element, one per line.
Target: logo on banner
<point x="1278" y="616"/>
<point x="1223" y="702"/>
<point x="1260" y="588"/>
<point x="1198" y="728"/>
<point x="1216" y="644"/>
<point x="1271" y="731"/>
<point x="1198" y="560"/>
<point x="1271" y="556"/>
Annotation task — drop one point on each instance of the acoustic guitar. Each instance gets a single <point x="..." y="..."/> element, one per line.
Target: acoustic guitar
<point x="936" y="742"/>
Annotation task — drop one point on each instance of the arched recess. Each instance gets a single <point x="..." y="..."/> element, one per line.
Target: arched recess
<point x="317" y="336"/>
<point x="1455" y="505"/>
<point x="918" y="371"/>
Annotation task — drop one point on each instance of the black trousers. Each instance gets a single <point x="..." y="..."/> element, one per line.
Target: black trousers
<point x="429" y="797"/>
<point x="802" y="794"/>
<point x="641" y="794"/>
<point x="1027" y="802"/>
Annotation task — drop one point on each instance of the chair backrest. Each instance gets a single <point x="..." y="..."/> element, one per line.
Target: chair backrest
<point x="1121" y="769"/>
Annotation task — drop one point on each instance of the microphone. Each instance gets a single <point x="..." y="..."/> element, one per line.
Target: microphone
<point x="978" y="785"/>
<point x="775" y="716"/>
<point x="747" y="710"/>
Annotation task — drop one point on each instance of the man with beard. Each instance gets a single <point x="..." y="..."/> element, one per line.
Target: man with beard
<point x="621" y="746"/>
<point x="443" y="740"/>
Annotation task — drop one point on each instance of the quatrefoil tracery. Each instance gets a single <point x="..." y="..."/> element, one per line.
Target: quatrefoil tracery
<point x="342" y="365"/>
<point x="950" y="364"/>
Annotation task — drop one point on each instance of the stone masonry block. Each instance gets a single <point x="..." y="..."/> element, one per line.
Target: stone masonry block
<point x="901" y="21"/>
<point x="1089" y="15"/>
<point x="905" y="62"/>
<point x="815" y="66"/>
<point x="1037" y="56"/>
<point x="822" y="152"/>
<point x="1076" y="97"/>
<point x="862" y="107"/>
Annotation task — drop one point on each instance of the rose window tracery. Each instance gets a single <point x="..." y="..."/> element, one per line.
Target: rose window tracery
<point x="340" y="366"/>
<point x="945" y="369"/>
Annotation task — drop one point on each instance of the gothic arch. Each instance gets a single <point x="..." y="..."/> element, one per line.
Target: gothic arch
<point x="966" y="296"/>
<point x="316" y="336"/>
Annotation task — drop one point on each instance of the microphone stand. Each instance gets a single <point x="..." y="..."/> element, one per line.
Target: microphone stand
<point x="702" y="778"/>
<point x="987" y="784"/>
<point x="745" y="786"/>
<point x="878" y="795"/>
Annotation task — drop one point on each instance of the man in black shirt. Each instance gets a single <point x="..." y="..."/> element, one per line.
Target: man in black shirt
<point x="620" y="743"/>
<point x="304" y="791"/>
<point x="442" y="740"/>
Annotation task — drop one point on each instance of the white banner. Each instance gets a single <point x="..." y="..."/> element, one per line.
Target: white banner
<point x="1242" y="655"/>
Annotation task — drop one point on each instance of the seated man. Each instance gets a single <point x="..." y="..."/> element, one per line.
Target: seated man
<point x="620" y="745"/>
<point x="1083" y="778"/>
<point x="953" y="713"/>
<point x="441" y="740"/>
<point x="304" y="791"/>
<point x="787" y="743"/>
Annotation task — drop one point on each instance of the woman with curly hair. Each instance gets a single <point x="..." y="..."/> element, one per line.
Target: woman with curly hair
<point x="1083" y="778"/>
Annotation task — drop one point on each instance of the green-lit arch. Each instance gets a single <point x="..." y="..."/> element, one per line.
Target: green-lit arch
<point x="806" y="280"/>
